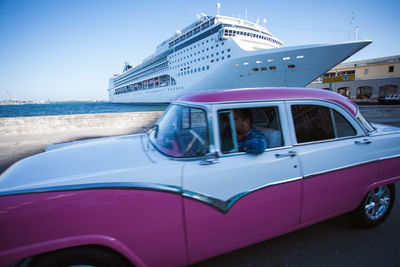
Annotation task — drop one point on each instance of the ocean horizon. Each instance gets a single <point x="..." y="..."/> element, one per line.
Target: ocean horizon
<point x="71" y="108"/>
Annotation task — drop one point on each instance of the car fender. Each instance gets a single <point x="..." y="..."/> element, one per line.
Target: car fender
<point x="11" y="256"/>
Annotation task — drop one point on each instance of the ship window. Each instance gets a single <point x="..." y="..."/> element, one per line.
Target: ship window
<point x="217" y="53"/>
<point x="229" y="56"/>
<point x="212" y="47"/>
<point x="208" y="67"/>
<point x="263" y="68"/>
<point x="391" y="68"/>
<point x="246" y="63"/>
<point x="270" y="60"/>
<point x="195" y="70"/>
<point x="222" y="51"/>
<point x="255" y="69"/>
<point x="272" y="68"/>
<point x="286" y="58"/>
<point x="300" y="57"/>
<point x="229" y="50"/>
<point x="222" y="58"/>
<point x="292" y="66"/>
<point x="198" y="69"/>
<point x="258" y="61"/>
<point x="203" y="68"/>
<point x="212" y="60"/>
<point x="217" y="59"/>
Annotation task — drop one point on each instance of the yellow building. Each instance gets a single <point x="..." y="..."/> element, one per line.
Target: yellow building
<point x="363" y="80"/>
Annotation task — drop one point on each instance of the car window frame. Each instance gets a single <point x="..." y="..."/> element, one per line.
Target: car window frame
<point x="210" y="128"/>
<point x="286" y="138"/>
<point x="360" y="132"/>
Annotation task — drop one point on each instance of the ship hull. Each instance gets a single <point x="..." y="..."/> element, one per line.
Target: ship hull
<point x="294" y="66"/>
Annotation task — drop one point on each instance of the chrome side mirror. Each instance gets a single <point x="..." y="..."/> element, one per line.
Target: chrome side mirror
<point x="210" y="158"/>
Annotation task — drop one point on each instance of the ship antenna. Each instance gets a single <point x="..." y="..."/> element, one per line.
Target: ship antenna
<point x="356" y="33"/>
<point x="264" y="21"/>
<point x="218" y="8"/>
<point x="351" y="25"/>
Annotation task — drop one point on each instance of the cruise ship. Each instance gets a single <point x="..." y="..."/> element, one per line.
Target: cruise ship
<point x="219" y="52"/>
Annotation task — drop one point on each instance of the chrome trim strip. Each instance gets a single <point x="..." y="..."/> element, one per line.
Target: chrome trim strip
<point x="224" y="206"/>
<point x="119" y="185"/>
<point x="220" y="205"/>
<point x="243" y="153"/>
<point x="374" y="134"/>
<point x="350" y="166"/>
<point x="329" y="140"/>
<point x="390" y="157"/>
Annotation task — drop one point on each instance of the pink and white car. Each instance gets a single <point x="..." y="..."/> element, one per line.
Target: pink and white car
<point x="183" y="192"/>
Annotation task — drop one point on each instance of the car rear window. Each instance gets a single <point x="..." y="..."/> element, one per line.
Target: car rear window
<point x="315" y="123"/>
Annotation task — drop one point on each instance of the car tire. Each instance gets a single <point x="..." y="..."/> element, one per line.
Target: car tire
<point x="375" y="207"/>
<point x="80" y="256"/>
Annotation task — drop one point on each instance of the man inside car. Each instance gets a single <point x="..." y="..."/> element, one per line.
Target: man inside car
<point x="250" y="140"/>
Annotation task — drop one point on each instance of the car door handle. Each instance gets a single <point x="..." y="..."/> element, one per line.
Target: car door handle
<point x="363" y="142"/>
<point x="290" y="154"/>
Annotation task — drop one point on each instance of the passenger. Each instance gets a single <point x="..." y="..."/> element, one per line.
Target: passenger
<point x="249" y="139"/>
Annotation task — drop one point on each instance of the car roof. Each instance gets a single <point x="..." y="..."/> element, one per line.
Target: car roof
<point x="268" y="93"/>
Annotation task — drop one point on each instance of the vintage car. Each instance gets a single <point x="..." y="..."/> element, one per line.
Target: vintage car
<point x="184" y="192"/>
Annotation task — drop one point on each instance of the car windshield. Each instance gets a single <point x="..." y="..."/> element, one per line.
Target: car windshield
<point x="181" y="132"/>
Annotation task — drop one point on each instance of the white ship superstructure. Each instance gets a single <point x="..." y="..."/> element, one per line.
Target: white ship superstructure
<point x="218" y="52"/>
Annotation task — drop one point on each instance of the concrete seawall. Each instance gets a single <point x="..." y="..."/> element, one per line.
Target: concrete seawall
<point x="24" y="136"/>
<point x="21" y="137"/>
<point x="97" y="124"/>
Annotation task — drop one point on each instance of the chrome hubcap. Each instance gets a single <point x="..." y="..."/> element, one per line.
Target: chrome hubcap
<point x="377" y="202"/>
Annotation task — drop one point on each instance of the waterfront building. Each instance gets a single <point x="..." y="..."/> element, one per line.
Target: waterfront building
<point x="363" y="80"/>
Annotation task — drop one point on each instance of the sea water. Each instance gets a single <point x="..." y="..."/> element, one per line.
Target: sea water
<point x="69" y="108"/>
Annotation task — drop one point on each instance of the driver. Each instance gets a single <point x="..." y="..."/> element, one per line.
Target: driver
<point x="249" y="139"/>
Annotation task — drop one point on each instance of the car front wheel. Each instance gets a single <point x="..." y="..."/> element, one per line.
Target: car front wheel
<point x="375" y="207"/>
<point x="80" y="256"/>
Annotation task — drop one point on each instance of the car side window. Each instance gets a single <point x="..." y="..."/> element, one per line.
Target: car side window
<point x="342" y="126"/>
<point x="264" y="119"/>
<point x="316" y="123"/>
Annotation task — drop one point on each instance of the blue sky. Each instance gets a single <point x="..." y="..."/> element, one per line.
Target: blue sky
<point x="67" y="49"/>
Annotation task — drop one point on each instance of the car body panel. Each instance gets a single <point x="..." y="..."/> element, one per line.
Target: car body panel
<point x="252" y="219"/>
<point x="97" y="164"/>
<point x="122" y="219"/>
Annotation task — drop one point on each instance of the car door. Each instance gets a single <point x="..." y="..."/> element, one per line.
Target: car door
<point x="243" y="198"/>
<point x="332" y="148"/>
